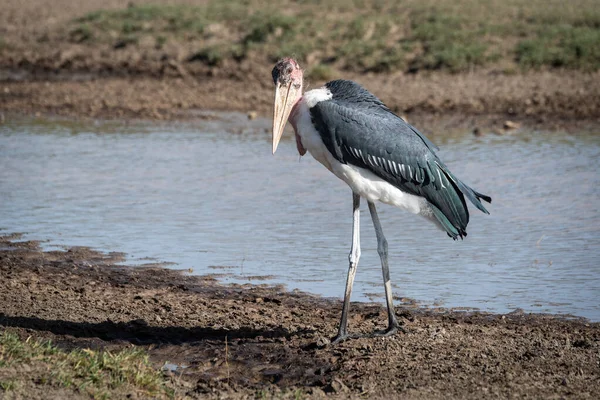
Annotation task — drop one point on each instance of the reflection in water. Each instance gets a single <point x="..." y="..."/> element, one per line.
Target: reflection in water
<point x="214" y="196"/>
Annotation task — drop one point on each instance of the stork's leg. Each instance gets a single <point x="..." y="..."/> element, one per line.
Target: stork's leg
<point x="353" y="264"/>
<point x="382" y="249"/>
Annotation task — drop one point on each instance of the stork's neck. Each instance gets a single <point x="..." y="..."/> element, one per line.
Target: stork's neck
<point x="293" y="119"/>
<point x="295" y="113"/>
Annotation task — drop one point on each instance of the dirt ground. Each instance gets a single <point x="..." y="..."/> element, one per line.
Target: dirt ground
<point x="258" y="341"/>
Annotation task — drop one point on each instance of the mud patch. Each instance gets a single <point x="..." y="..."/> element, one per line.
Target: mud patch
<point x="246" y="339"/>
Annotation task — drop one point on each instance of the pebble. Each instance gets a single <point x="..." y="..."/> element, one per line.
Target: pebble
<point x="508" y="124"/>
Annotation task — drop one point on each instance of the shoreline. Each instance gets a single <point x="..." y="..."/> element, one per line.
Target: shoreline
<point x="277" y="340"/>
<point x="479" y="102"/>
<point x="217" y="275"/>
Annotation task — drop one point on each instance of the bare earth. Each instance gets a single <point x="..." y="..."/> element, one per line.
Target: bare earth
<point x="547" y="100"/>
<point x="247" y="341"/>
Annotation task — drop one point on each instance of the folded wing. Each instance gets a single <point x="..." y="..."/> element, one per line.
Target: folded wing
<point x="365" y="133"/>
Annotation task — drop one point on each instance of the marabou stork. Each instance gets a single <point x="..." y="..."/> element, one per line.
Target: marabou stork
<point x="380" y="156"/>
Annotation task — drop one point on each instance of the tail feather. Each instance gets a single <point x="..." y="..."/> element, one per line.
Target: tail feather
<point x="473" y="196"/>
<point x="454" y="219"/>
<point x="483" y="197"/>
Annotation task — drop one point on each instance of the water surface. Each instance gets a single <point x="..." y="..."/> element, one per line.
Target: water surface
<point x="212" y="198"/>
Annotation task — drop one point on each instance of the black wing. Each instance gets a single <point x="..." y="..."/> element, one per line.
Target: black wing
<point x="360" y="130"/>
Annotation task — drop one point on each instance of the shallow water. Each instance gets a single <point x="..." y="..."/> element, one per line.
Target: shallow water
<point x="212" y="198"/>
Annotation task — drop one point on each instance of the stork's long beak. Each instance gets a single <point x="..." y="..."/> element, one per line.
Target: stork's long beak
<point x="286" y="95"/>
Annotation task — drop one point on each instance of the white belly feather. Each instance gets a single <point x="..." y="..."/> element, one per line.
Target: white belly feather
<point x="362" y="181"/>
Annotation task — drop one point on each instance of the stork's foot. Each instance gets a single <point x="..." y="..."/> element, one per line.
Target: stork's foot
<point x="340" y="337"/>
<point x="390" y="331"/>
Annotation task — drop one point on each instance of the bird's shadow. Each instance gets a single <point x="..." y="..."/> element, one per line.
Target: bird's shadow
<point x="138" y="332"/>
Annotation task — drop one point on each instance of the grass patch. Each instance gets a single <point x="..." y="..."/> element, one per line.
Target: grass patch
<point x="8" y="385"/>
<point x="365" y="35"/>
<point x="100" y="374"/>
<point x="81" y="33"/>
<point x="263" y="25"/>
<point x="138" y="18"/>
<point x="448" y="42"/>
<point x="561" y="46"/>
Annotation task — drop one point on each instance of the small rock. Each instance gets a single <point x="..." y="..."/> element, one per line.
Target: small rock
<point x="477" y="132"/>
<point x="336" y="386"/>
<point x="508" y="124"/>
<point x="316" y="392"/>
<point x="252" y="115"/>
<point x="322" y="341"/>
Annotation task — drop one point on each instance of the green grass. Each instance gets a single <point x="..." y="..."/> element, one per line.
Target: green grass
<point x="562" y="46"/>
<point x="365" y="35"/>
<point x="82" y="33"/>
<point x="99" y="374"/>
<point x="9" y="385"/>
<point x="449" y="42"/>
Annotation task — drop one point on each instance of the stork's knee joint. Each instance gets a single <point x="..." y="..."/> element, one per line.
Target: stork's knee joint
<point x="353" y="258"/>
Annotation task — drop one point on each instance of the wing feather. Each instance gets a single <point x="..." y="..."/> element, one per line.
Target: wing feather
<point x="374" y="138"/>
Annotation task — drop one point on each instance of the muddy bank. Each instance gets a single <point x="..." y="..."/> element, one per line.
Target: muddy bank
<point x="246" y="341"/>
<point x="536" y="100"/>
